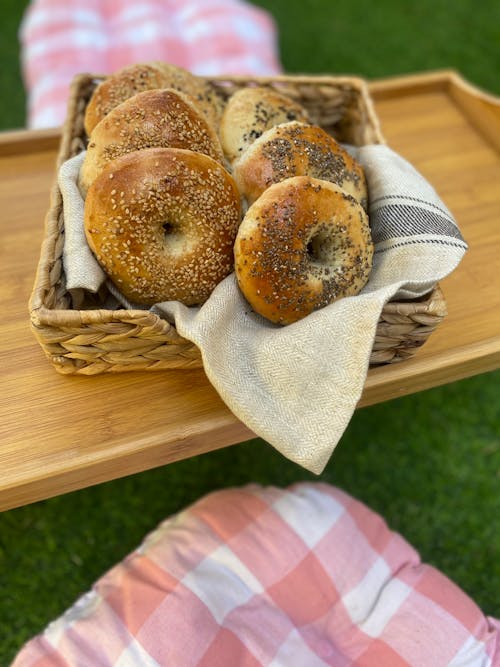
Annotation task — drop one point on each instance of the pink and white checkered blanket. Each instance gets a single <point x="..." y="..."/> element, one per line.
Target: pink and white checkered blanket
<point x="302" y="577"/>
<point x="61" y="38"/>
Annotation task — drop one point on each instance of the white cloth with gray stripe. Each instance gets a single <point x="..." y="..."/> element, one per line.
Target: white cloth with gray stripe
<point x="298" y="386"/>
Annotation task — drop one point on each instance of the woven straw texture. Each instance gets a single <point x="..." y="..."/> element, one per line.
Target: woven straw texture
<point x="86" y="339"/>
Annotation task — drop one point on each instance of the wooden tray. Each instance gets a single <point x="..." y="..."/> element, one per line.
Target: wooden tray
<point x="61" y="433"/>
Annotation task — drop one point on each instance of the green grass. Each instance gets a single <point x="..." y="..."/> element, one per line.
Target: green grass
<point x="12" y="107"/>
<point x="429" y="462"/>
<point x="389" y="37"/>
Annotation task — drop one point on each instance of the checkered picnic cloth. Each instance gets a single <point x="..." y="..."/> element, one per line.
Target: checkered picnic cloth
<point x="61" y="38"/>
<point x="299" y="577"/>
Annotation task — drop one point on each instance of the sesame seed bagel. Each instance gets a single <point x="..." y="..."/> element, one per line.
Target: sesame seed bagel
<point x="133" y="79"/>
<point x="302" y="245"/>
<point x="251" y="111"/>
<point x="297" y="149"/>
<point x="162" y="223"/>
<point x="205" y="94"/>
<point x="163" y="118"/>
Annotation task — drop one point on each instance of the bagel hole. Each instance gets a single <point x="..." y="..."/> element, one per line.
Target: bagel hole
<point x="320" y="248"/>
<point x="175" y="239"/>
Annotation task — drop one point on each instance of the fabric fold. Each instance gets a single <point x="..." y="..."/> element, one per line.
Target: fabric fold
<point x="295" y="386"/>
<point x="81" y="268"/>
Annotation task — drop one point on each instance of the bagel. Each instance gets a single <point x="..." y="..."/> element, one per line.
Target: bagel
<point x="163" y="118"/>
<point x="251" y="111"/>
<point x="303" y="244"/>
<point x="162" y="224"/>
<point x="133" y="79"/>
<point x="297" y="149"/>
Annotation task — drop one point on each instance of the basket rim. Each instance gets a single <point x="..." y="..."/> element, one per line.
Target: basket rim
<point x="357" y="82"/>
<point x="43" y="316"/>
<point x="433" y="303"/>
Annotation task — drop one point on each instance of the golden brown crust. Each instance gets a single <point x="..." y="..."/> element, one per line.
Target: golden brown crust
<point x="297" y="149"/>
<point x="133" y="79"/>
<point x="205" y="94"/>
<point x="162" y="118"/>
<point x="162" y="223"/>
<point x="251" y="111"/>
<point x="302" y="245"/>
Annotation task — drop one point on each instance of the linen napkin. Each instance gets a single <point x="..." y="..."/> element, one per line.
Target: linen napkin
<point x="81" y="268"/>
<point x="297" y="386"/>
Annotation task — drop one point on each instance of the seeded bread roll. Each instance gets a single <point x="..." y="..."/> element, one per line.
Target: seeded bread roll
<point x="251" y="111"/>
<point x="133" y="79"/>
<point x="162" y="224"/>
<point x="303" y="244"/>
<point x="162" y="118"/>
<point x="297" y="149"/>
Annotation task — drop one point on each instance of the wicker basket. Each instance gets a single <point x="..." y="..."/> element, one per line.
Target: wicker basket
<point x="86" y="339"/>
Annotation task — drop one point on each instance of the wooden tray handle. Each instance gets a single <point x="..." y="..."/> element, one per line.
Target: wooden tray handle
<point x="481" y="107"/>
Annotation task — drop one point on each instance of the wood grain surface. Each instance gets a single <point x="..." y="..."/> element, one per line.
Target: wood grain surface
<point x="60" y="433"/>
